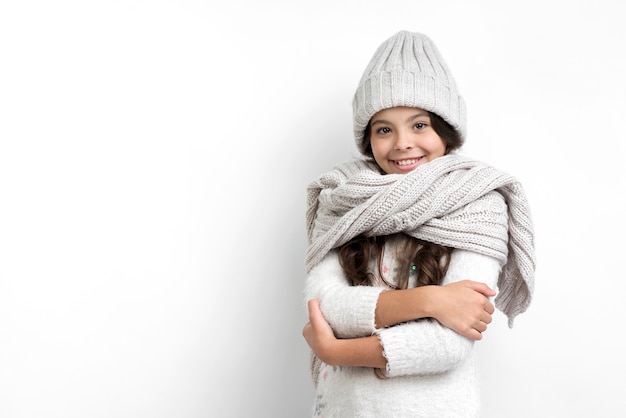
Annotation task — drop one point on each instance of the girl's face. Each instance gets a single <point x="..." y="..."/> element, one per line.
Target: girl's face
<point x="402" y="139"/>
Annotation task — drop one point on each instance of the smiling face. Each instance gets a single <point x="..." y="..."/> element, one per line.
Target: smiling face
<point x="403" y="138"/>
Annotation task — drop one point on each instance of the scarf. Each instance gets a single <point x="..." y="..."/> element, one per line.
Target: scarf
<point x="451" y="201"/>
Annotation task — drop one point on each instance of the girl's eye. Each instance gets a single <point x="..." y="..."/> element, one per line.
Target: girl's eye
<point x="419" y="125"/>
<point x="382" y="131"/>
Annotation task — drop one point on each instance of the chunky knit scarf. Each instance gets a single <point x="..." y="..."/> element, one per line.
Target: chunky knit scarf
<point x="451" y="201"/>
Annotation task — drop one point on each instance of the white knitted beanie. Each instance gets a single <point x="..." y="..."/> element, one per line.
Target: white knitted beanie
<point x="407" y="70"/>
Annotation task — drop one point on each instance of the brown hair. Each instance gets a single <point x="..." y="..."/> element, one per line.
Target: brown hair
<point x="430" y="261"/>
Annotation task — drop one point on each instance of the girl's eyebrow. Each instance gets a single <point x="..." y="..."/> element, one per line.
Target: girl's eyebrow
<point x="415" y="116"/>
<point x="379" y="121"/>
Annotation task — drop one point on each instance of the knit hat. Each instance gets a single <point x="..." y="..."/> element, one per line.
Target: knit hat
<point x="407" y="70"/>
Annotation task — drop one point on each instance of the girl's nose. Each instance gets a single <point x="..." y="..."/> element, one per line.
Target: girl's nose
<point x="403" y="141"/>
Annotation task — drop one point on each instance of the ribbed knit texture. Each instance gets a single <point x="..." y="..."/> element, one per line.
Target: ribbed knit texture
<point x="407" y="70"/>
<point x="436" y="202"/>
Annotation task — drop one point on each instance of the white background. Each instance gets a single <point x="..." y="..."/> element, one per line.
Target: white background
<point x="154" y="157"/>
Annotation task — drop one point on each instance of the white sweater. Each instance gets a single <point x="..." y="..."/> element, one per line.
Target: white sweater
<point x="431" y="368"/>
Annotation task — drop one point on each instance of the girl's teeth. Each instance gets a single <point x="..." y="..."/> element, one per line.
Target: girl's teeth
<point x="406" y="162"/>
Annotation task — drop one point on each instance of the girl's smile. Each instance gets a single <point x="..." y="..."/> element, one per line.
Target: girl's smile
<point x="407" y="164"/>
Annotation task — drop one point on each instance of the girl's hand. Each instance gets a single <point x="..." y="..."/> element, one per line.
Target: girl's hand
<point x="464" y="307"/>
<point x="318" y="333"/>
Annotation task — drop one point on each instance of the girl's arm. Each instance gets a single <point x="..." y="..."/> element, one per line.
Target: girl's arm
<point x="462" y="306"/>
<point x="418" y="347"/>
<point x="359" y="311"/>
<point x="427" y="346"/>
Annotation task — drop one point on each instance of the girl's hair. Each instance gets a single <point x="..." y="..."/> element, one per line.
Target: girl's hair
<point x="429" y="260"/>
<point x="446" y="132"/>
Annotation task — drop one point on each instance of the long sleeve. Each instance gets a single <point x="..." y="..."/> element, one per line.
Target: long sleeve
<point x="350" y="310"/>
<point x="425" y="346"/>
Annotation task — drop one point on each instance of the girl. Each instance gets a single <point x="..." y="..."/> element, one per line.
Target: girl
<point x="394" y="238"/>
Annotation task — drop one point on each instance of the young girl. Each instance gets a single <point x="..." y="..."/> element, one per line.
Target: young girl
<point x="405" y="247"/>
